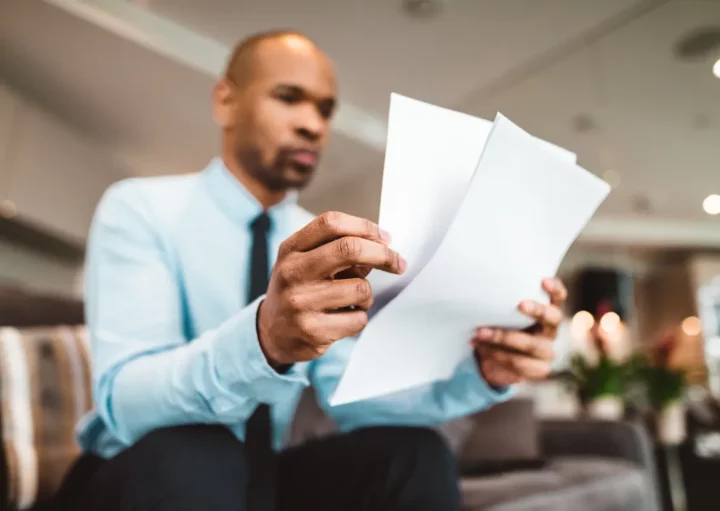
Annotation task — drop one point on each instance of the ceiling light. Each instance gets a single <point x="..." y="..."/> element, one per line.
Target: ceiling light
<point x="692" y="326"/>
<point x="610" y="322"/>
<point x="716" y="68"/>
<point x="711" y="204"/>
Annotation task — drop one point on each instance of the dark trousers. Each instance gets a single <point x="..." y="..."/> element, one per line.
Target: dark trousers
<point x="198" y="468"/>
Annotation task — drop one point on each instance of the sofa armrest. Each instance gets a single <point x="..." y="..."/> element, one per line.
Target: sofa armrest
<point x="588" y="437"/>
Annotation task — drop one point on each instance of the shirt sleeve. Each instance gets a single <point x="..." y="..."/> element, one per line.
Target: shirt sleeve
<point x="146" y="373"/>
<point x="429" y="405"/>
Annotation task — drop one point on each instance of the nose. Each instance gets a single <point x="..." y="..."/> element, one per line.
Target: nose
<point x="311" y="126"/>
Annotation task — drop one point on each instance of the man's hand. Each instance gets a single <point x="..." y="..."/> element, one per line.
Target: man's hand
<point x="317" y="292"/>
<point x="506" y="357"/>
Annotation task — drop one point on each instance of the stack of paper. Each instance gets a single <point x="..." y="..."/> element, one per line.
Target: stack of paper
<point x="482" y="212"/>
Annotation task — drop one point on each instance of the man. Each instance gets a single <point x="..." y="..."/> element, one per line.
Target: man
<point x="197" y="358"/>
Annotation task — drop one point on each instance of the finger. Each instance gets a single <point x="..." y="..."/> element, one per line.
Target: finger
<point x="524" y="367"/>
<point x="496" y="373"/>
<point x="519" y="342"/>
<point x="339" y="325"/>
<point x="550" y="316"/>
<point x="331" y="295"/>
<point x="330" y="226"/>
<point x="341" y="254"/>
<point x="556" y="290"/>
<point x="317" y="331"/>
<point x="359" y="272"/>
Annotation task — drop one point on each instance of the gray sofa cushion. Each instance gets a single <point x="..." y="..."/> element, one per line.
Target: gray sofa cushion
<point x="505" y="435"/>
<point x="564" y="484"/>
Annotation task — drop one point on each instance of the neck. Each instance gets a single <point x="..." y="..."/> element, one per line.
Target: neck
<point x="265" y="196"/>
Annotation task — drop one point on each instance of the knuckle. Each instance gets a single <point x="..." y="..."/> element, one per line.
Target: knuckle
<point x="362" y="320"/>
<point x="317" y="348"/>
<point x="507" y="358"/>
<point x="542" y="371"/>
<point x="498" y="335"/>
<point x="550" y="352"/>
<point x="286" y="247"/>
<point x="349" y="248"/>
<point x="391" y="258"/>
<point x="294" y="302"/>
<point x="330" y="221"/>
<point x="284" y="275"/>
<point x="305" y="326"/>
<point x="517" y="363"/>
<point x="370" y="228"/>
<point x="363" y="289"/>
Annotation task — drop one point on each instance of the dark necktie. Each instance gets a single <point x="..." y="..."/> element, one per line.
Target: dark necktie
<point x="258" y="430"/>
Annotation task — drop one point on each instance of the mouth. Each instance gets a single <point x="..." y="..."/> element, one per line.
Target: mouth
<point x="304" y="158"/>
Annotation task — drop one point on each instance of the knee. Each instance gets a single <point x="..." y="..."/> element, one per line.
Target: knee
<point x="428" y="451"/>
<point x="423" y="451"/>
<point x="423" y="470"/>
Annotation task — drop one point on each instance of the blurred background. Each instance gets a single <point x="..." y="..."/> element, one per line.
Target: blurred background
<point x="93" y="91"/>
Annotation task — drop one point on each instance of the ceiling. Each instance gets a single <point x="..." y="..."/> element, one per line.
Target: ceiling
<point x="599" y="78"/>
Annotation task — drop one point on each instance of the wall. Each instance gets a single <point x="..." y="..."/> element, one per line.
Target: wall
<point x="41" y="271"/>
<point x="52" y="176"/>
<point x="52" y="173"/>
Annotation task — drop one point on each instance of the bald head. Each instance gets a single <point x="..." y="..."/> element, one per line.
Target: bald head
<point x="259" y="47"/>
<point x="274" y="103"/>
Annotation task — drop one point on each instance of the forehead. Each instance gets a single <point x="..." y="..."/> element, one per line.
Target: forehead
<point x="294" y="61"/>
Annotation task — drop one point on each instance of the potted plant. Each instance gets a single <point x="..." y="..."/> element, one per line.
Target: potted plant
<point x="599" y="385"/>
<point x="598" y="376"/>
<point x="665" y="387"/>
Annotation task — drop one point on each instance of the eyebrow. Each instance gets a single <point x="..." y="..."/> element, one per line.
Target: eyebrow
<point x="328" y="101"/>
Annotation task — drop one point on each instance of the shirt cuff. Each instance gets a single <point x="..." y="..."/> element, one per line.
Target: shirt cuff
<point x="469" y="371"/>
<point x="240" y="363"/>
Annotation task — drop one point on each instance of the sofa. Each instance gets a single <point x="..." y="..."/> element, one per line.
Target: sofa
<point x="508" y="459"/>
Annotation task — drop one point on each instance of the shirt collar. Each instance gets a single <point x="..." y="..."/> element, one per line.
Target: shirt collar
<point x="235" y="200"/>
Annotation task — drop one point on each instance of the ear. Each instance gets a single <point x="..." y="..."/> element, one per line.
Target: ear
<point x="223" y="99"/>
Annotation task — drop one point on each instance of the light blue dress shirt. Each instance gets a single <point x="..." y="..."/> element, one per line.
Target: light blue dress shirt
<point x="173" y="340"/>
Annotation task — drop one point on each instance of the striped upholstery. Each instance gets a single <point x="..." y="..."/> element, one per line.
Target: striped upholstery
<point x="44" y="390"/>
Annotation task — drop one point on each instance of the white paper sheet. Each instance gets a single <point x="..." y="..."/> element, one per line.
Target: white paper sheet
<point x="509" y="224"/>
<point x="430" y="158"/>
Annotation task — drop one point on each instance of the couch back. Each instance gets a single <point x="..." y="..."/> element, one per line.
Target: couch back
<point x="44" y="390"/>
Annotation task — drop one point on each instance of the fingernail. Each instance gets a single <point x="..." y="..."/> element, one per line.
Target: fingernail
<point x="550" y="283"/>
<point x="527" y="306"/>
<point x="384" y="235"/>
<point x="403" y="263"/>
<point x="484" y="333"/>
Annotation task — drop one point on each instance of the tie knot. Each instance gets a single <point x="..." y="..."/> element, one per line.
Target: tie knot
<point x="261" y="224"/>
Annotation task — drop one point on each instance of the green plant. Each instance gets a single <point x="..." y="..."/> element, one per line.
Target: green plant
<point x="664" y="385"/>
<point x="591" y="381"/>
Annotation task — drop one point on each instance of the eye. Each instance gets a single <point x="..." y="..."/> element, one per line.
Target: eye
<point x="326" y="109"/>
<point x="289" y="97"/>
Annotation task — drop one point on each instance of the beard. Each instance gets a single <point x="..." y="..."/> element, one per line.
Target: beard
<point x="281" y="174"/>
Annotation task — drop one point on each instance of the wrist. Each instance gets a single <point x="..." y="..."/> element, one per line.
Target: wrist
<point x="273" y="358"/>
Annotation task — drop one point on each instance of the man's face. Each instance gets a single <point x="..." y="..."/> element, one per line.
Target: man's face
<point x="278" y="121"/>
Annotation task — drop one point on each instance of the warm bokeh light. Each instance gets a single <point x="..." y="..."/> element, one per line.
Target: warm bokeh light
<point x="716" y="68"/>
<point x="692" y="326"/>
<point x="610" y="322"/>
<point x="711" y="204"/>
<point x="582" y="322"/>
